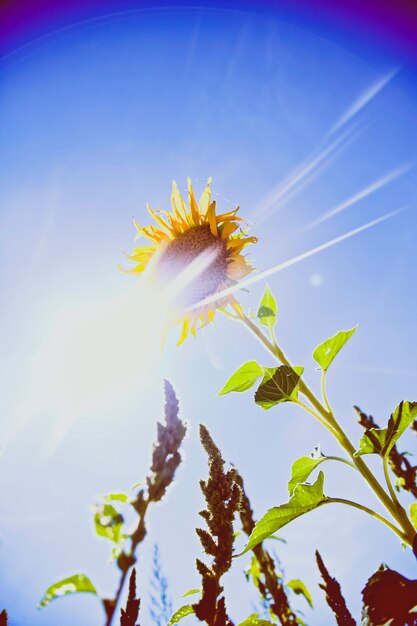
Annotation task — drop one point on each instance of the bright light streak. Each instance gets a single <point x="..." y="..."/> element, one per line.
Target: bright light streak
<point x="282" y="266"/>
<point x="292" y="183"/>
<point x="364" y="193"/>
<point x="193" y="271"/>
<point x="92" y="358"/>
<point x="363" y="99"/>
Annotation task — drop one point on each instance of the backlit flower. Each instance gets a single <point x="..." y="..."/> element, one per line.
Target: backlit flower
<point x="195" y="253"/>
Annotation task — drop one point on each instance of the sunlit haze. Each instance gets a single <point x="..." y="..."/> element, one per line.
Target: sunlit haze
<point x="300" y="128"/>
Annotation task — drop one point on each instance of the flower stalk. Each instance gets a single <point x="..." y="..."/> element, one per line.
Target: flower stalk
<point x="165" y="460"/>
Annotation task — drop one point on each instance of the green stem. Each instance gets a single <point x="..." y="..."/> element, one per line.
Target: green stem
<point x="342" y="460"/>
<point x="390" y="505"/>
<point x="324" y="392"/>
<point x="389" y="483"/>
<point x="382" y="519"/>
<point x="328" y="420"/>
<point x="317" y="416"/>
<point x="274" y="348"/>
<point x="401" y="511"/>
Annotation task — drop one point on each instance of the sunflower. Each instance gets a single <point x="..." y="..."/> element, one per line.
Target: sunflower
<point x="195" y="237"/>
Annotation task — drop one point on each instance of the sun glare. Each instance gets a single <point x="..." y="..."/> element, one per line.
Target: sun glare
<point x="94" y="356"/>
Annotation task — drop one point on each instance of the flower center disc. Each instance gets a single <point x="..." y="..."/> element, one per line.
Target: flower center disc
<point x="186" y="248"/>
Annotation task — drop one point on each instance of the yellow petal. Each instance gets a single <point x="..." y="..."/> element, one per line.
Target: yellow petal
<point x="184" y="331"/>
<point x="204" y="203"/>
<point x="159" y="219"/>
<point x="206" y="317"/>
<point x="236" y="306"/>
<point x="148" y="232"/>
<point x="211" y="218"/>
<point x="226" y="229"/>
<point x="142" y="254"/>
<point x="235" y="244"/>
<point x="176" y="225"/>
<point x="238" y="243"/>
<point x="237" y="271"/>
<point x="193" y="204"/>
<point x="138" y="269"/>
<point x="178" y="204"/>
<point x="231" y="215"/>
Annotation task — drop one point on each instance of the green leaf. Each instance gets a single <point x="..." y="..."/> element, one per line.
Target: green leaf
<point x="280" y="384"/>
<point x="326" y="351"/>
<point x="255" y="620"/>
<point x="116" y="497"/>
<point x="253" y="571"/>
<point x="301" y="470"/>
<point x="79" y="583"/>
<point x="300" y="589"/>
<point x="108" y="522"/>
<point x="399" y="483"/>
<point x="413" y="514"/>
<point x="244" y="378"/>
<point x="185" y="610"/>
<point x="267" y="310"/>
<point x="191" y="592"/>
<point x="382" y="440"/>
<point x="306" y="497"/>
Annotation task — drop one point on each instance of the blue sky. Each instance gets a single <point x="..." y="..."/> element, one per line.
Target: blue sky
<point x="96" y="122"/>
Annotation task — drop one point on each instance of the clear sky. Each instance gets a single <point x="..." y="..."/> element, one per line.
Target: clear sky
<point x="293" y="125"/>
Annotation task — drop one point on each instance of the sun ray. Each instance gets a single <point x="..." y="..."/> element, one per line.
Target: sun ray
<point x="364" y="193"/>
<point x="308" y="170"/>
<point x="192" y="271"/>
<point x="297" y="259"/>
<point x="363" y="99"/>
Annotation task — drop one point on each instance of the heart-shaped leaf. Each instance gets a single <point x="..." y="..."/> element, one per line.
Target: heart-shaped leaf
<point x="382" y="440"/>
<point x="280" y="384"/>
<point x="306" y="498"/>
<point x="326" y="351"/>
<point x="244" y="378"/>
<point x="301" y="470"/>
<point x="267" y="310"/>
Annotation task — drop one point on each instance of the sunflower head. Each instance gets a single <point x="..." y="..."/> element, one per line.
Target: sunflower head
<point x="195" y="253"/>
